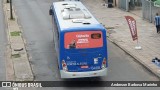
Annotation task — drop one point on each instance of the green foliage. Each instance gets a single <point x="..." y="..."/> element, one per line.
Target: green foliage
<point x="154" y="0"/>
<point x="157" y="2"/>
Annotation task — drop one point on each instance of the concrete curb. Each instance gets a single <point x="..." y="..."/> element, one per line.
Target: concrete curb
<point x="17" y="62"/>
<point x="136" y="58"/>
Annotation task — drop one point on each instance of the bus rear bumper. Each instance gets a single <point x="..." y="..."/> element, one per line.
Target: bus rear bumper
<point x="97" y="73"/>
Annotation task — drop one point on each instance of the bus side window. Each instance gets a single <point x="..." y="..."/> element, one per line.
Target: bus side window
<point x="57" y="35"/>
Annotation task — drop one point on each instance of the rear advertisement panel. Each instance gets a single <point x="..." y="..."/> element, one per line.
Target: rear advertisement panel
<point x="83" y="39"/>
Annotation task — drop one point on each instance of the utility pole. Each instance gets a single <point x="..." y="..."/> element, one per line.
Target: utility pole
<point x="11" y="10"/>
<point x="150" y="6"/>
<point x="127" y="5"/>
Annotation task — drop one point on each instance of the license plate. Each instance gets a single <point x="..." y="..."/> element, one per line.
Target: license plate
<point x="84" y="66"/>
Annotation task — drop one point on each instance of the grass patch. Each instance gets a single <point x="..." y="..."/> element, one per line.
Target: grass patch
<point x="16" y="55"/>
<point x="109" y="27"/>
<point x="15" y="33"/>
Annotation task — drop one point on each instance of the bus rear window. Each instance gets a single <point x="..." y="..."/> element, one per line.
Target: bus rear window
<point x="83" y="39"/>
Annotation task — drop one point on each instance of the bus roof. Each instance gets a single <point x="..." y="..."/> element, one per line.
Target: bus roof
<point x="73" y="14"/>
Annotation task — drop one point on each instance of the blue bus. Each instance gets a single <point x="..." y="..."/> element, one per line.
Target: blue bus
<point x="80" y="41"/>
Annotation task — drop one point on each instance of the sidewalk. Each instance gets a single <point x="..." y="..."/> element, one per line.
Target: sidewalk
<point x="119" y="33"/>
<point x="17" y="61"/>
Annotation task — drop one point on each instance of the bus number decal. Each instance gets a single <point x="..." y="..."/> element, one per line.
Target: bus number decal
<point x="70" y="63"/>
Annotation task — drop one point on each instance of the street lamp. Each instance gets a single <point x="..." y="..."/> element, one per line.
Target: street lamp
<point x="11" y="10"/>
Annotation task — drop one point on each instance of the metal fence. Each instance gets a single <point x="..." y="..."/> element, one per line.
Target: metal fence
<point x="123" y="5"/>
<point x="129" y="4"/>
<point x="149" y="10"/>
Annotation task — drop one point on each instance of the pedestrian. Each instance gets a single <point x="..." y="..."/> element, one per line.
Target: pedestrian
<point x="157" y="22"/>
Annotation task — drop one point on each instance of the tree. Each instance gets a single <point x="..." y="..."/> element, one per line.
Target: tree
<point x="157" y="3"/>
<point x="154" y="0"/>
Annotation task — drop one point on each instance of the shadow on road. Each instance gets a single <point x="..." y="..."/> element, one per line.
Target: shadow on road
<point x="83" y="82"/>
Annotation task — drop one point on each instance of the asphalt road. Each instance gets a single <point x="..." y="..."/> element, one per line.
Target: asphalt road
<point x="36" y="24"/>
<point x="3" y="42"/>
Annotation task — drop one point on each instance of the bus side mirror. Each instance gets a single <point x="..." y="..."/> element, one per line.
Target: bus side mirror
<point x="50" y="12"/>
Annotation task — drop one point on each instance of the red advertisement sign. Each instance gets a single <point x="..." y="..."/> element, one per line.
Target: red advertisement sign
<point x="83" y="39"/>
<point x="132" y="26"/>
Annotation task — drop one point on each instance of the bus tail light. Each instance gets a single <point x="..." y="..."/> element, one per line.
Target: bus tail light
<point x="64" y="65"/>
<point x="104" y="62"/>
